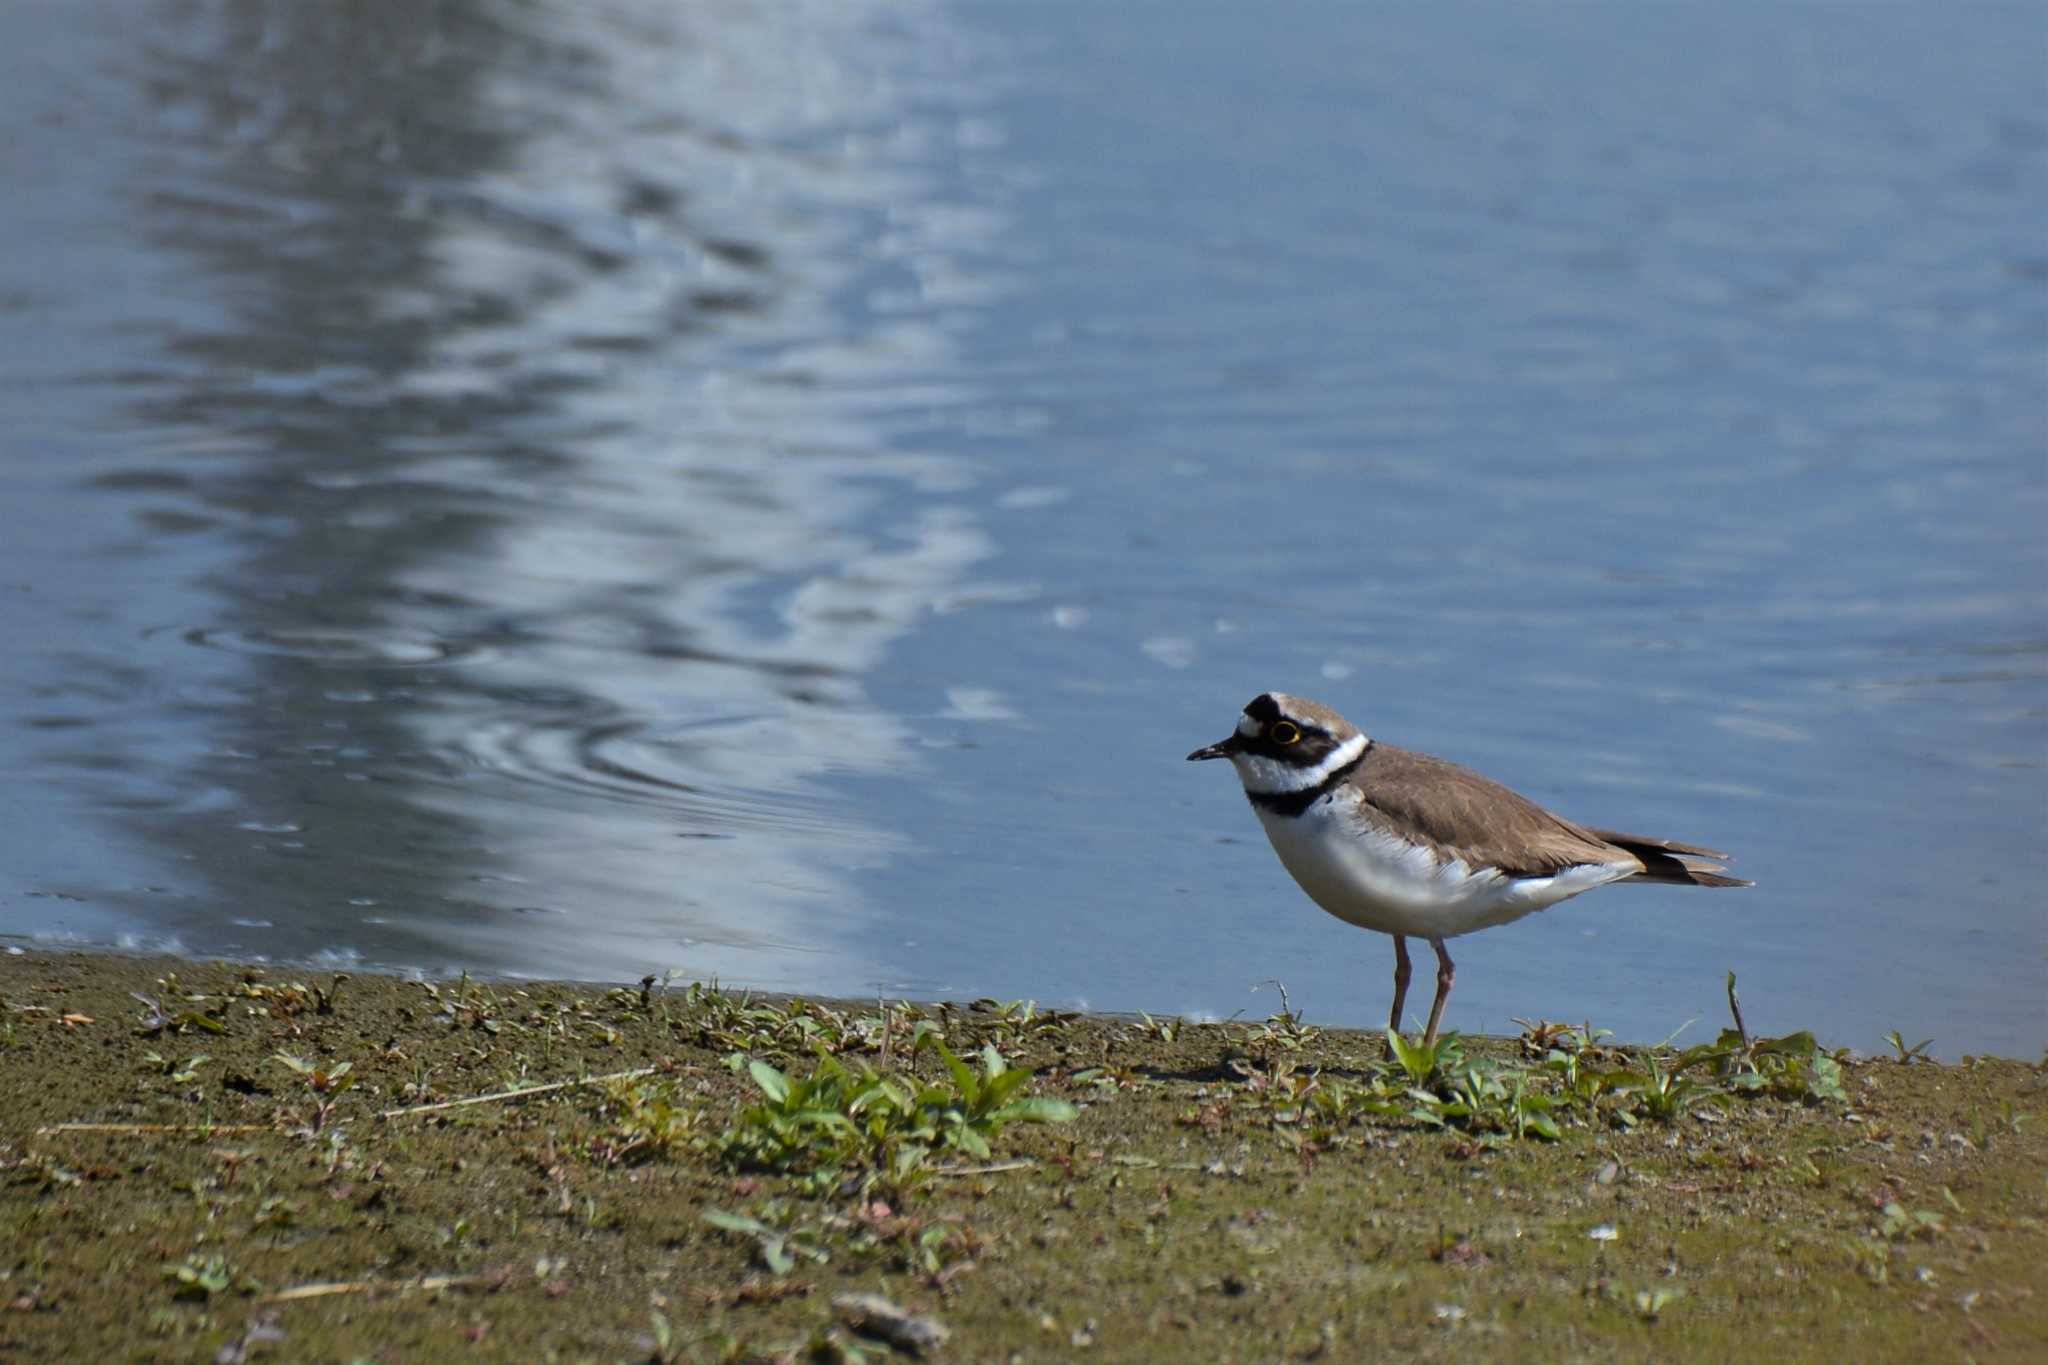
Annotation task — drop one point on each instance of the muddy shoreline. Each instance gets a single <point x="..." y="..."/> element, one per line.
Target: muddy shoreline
<point x="212" y="1161"/>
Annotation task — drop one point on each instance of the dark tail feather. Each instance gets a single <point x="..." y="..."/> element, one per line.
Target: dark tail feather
<point x="1678" y="874"/>
<point x="1667" y="860"/>
<point x="1636" y="843"/>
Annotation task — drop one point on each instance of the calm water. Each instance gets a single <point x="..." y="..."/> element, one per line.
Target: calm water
<point x="773" y="491"/>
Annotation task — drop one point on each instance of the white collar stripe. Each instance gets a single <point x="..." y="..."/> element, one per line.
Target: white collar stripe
<point x="1271" y="777"/>
<point x="1344" y="754"/>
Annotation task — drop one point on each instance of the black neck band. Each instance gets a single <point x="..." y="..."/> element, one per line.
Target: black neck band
<point x="1294" y="803"/>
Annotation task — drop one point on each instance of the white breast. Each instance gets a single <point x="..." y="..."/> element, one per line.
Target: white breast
<point x="1371" y="878"/>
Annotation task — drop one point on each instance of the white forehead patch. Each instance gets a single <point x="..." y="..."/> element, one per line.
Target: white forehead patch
<point x="1247" y="727"/>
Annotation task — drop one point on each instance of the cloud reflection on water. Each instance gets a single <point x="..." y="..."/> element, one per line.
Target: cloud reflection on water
<point x="554" y="400"/>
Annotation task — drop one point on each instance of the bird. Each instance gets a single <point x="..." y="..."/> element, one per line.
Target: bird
<point x="1418" y="847"/>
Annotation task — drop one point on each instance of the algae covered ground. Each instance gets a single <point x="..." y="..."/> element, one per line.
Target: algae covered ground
<point x="216" y="1162"/>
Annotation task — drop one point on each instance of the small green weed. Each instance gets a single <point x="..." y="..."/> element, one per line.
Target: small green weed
<point x="1283" y="1030"/>
<point x="200" y="1278"/>
<point x="1650" y="1303"/>
<point x="469" y="1005"/>
<point x="325" y="1084"/>
<point x="1896" y="1223"/>
<point x="1916" y="1053"/>
<point x="1422" y="1064"/>
<point x="1539" y="1037"/>
<point x="776" y="1247"/>
<point x="1017" y="1021"/>
<point x="179" y="1073"/>
<point x="156" y="1019"/>
<point x="1483" y="1099"/>
<point x="650" y="1119"/>
<point x="1281" y="1090"/>
<point x="321" y="1080"/>
<point x="983" y="1103"/>
<point x="1166" y="1029"/>
<point x="744" y="1026"/>
<point x="1871" y="1258"/>
<point x="1660" y="1094"/>
<point x="840" y="1118"/>
<point x="1793" y="1067"/>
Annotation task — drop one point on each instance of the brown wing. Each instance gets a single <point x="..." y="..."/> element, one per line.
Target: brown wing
<point x="1475" y="818"/>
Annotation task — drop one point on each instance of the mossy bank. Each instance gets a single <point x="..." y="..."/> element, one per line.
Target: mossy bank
<point x="205" y="1161"/>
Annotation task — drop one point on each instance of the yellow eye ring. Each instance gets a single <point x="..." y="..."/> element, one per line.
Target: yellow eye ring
<point x="1284" y="732"/>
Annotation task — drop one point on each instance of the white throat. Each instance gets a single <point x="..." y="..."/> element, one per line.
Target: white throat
<point x="1270" y="777"/>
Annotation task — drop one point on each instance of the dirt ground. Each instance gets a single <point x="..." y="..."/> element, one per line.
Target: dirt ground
<point x="206" y="1161"/>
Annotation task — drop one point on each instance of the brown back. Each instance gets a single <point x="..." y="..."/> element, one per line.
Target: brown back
<point x="1458" y="812"/>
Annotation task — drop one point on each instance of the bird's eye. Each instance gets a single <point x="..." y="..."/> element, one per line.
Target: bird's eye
<point x="1284" y="732"/>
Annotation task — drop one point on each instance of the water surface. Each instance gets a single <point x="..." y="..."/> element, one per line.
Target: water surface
<point x="773" y="492"/>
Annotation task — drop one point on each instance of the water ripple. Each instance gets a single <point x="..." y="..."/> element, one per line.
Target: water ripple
<point x="633" y="763"/>
<point x="336" y="648"/>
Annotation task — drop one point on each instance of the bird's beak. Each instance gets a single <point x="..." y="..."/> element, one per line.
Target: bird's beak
<point x="1222" y="748"/>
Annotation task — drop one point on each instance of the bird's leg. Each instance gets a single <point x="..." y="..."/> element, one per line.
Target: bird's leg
<point x="1400" y="982"/>
<point x="1446" y="973"/>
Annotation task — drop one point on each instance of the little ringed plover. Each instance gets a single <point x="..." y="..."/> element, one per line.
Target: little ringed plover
<point x="1412" y="845"/>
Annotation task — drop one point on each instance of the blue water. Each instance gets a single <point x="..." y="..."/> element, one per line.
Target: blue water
<point x="774" y="492"/>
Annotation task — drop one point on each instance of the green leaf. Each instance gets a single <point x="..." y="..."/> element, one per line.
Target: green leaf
<point x="1036" y="1109"/>
<point x="1415" y="1059"/>
<point x="773" y="1083"/>
<point x="964" y="1079"/>
<point x="880" y="1096"/>
<point x="775" y="1255"/>
<point x="1700" y="1052"/>
<point x="1827" y="1080"/>
<point x="1000" y="1088"/>
<point x="736" y="1222"/>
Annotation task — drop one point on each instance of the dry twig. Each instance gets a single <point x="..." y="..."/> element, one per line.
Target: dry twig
<point x="518" y="1094"/>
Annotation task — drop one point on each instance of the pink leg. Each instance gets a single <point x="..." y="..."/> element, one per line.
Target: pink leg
<point x="1400" y="982"/>
<point x="1446" y="973"/>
